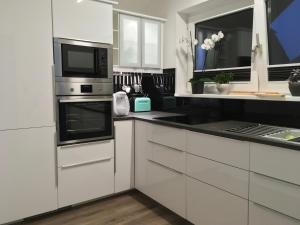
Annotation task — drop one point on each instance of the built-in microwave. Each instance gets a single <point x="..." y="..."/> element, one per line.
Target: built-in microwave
<point x="82" y="61"/>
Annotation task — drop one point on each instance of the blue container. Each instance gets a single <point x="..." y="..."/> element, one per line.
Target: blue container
<point x="142" y="104"/>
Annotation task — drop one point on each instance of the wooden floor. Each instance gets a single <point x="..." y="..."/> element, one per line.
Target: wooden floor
<point x="129" y="209"/>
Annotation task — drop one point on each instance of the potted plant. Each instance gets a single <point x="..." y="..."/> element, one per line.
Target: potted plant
<point x="222" y="80"/>
<point x="294" y="84"/>
<point x="198" y="84"/>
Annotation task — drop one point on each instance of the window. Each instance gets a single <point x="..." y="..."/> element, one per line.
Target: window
<point x="231" y="52"/>
<point x="140" y="42"/>
<point x="283" y="31"/>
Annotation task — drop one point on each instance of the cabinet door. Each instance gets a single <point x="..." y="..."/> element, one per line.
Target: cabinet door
<point x="124" y="156"/>
<point x="140" y="155"/>
<point x="130" y="41"/>
<point x="85" y="172"/>
<point x="166" y="186"/>
<point x="151" y="44"/>
<point x="26" y="60"/>
<point x="207" y="205"/>
<point x="28" y="173"/>
<point x="85" y="20"/>
<point x="259" y="215"/>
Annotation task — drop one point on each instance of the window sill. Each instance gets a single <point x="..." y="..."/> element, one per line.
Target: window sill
<point x="240" y="96"/>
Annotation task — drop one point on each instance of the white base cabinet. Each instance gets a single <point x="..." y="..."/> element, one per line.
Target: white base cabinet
<point x="259" y="215"/>
<point x="207" y="205"/>
<point x="28" y="174"/>
<point x="85" y="172"/>
<point x="85" y="20"/>
<point x="124" y="155"/>
<point x="166" y="186"/>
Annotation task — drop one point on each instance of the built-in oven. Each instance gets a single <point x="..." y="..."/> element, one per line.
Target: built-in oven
<point x="84" y="119"/>
<point x="84" y="112"/>
<point x="82" y="61"/>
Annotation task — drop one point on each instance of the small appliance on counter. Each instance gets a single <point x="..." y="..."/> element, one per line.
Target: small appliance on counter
<point x="140" y="104"/>
<point x="121" y="104"/>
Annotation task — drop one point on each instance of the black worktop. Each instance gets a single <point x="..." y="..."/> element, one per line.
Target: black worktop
<point x="213" y="128"/>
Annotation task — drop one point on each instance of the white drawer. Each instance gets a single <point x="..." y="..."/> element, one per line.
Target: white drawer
<point x="259" y="215"/>
<point x="167" y="187"/>
<point x="228" y="178"/>
<point x="168" y="136"/>
<point x="85" y="182"/>
<point x="225" y="150"/>
<point x="85" y="153"/>
<point x="170" y="157"/>
<point x="275" y="162"/>
<point x="275" y="194"/>
<point x="207" y="205"/>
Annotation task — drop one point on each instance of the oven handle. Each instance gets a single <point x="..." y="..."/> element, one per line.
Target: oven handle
<point x="85" y="100"/>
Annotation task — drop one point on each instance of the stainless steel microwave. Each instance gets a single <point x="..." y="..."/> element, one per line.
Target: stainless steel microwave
<point x="82" y="61"/>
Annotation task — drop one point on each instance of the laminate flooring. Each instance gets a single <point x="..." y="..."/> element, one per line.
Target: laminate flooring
<point x="132" y="208"/>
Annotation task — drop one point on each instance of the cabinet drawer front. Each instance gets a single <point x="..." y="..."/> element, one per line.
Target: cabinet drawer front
<point x="77" y="155"/>
<point x="168" y="136"/>
<point x="210" y="206"/>
<point x="259" y="215"/>
<point x="167" y="187"/>
<point x="223" y="150"/>
<point x="275" y="194"/>
<point x="273" y="166"/>
<point x="169" y="157"/>
<point x="228" y="178"/>
<point x="83" y="183"/>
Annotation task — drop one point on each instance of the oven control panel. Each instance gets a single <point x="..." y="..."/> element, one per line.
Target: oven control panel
<point x="69" y="89"/>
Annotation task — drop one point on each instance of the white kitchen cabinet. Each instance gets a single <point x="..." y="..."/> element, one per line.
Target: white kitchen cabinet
<point x="228" y="178"/>
<point x="140" y="155"/>
<point x="275" y="194"/>
<point x="130" y="41"/>
<point x="26" y="60"/>
<point x="151" y="44"/>
<point x="279" y="163"/>
<point x="85" y="172"/>
<point x="28" y="173"/>
<point x="168" y="136"/>
<point x="259" y="215"/>
<point x="85" y="20"/>
<point x="124" y="155"/>
<point x="140" y="42"/>
<point x="224" y="150"/>
<point x="207" y="205"/>
<point x="166" y="186"/>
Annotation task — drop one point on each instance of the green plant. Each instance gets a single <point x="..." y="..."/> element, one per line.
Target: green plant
<point x="224" y="78"/>
<point x="199" y="80"/>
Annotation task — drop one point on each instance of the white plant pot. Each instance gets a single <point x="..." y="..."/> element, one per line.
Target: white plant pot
<point x="224" y="88"/>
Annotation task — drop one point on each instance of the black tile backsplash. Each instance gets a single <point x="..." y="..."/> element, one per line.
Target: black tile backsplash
<point x="266" y="112"/>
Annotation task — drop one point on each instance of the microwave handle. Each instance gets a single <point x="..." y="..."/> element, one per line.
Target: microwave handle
<point x="85" y="100"/>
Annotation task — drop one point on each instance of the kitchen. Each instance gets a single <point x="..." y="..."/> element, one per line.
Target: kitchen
<point x="149" y="112"/>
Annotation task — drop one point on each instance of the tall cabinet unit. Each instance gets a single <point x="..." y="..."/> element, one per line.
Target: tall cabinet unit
<point x="83" y="20"/>
<point x="27" y="132"/>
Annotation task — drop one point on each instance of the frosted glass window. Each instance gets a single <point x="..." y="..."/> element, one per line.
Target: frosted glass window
<point x="130" y="41"/>
<point x="151" y="42"/>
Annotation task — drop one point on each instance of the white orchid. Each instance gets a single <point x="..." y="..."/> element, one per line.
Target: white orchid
<point x="215" y="38"/>
<point x="221" y="35"/>
<point x="196" y="42"/>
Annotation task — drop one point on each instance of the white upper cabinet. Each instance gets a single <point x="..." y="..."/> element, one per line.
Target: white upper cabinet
<point x="130" y="41"/>
<point x="26" y="60"/>
<point x="140" y="42"/>
<point x="151" y="43"/>
<point x="85" y="20"/>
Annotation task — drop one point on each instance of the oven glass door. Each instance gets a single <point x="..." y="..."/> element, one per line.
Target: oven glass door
<point x="84" y="62"/>
<point x="82" y="120"/>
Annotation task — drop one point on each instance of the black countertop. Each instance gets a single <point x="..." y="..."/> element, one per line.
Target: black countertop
<point x="213" y="128"/>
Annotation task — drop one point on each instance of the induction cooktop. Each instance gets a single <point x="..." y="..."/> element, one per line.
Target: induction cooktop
<point x="189" y="119"/>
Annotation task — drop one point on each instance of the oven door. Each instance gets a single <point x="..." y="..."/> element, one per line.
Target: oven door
<point x="85" y="60"/>
<point x="84" y="119"/>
